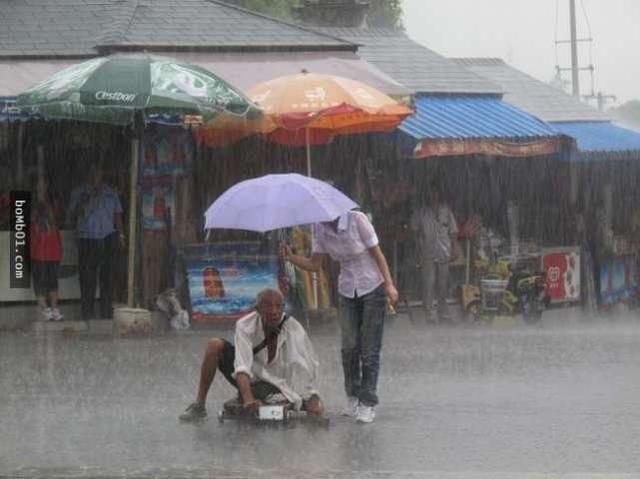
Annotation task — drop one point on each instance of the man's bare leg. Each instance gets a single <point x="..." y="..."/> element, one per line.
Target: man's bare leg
<point x="209" y="367"/>
<point x="197" y="411"/>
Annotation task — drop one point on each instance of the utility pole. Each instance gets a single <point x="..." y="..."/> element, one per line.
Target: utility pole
<point x="601" y="98"/>
<point x="575" y="77"/>
<point x="575" y="67"/>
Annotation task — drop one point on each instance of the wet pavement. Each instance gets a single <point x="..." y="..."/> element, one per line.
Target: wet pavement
<point x="561" y="398"/>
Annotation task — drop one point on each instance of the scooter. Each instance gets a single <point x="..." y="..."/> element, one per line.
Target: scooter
<point x="523" y="292"/>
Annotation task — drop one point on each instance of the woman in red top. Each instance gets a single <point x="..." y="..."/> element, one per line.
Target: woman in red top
<point x="46" y="253"/>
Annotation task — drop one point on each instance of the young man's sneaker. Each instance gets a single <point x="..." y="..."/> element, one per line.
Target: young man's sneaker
<point x="195" y="412"/>
<point x="46" y="314"/>
<point x="351" y="409"/>
<point x="56" y="315"/>
<point x="366" y="413"/>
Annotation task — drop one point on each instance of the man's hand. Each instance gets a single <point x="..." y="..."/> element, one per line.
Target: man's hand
<point x="456" y="253"/>
<point x="392" y="293"/>
<point x="285" y="251"/>
<point x="252" y="406"/>
<point x="314" y="406"/>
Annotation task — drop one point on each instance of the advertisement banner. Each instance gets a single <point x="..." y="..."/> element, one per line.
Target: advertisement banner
<point x="435" y="148"/>
<point x="167" y="156"/>
<point x="562" y="266"/>
<point x="618" y="280"/>
<point x="224" y="278"/>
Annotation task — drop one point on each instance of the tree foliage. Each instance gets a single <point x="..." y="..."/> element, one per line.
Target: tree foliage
<point x="382" y="13"/>
<point x="628" y="113"/>
<point x="385" y="13"/>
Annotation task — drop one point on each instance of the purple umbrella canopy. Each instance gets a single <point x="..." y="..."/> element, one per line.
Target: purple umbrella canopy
<point x="277" y="201"/>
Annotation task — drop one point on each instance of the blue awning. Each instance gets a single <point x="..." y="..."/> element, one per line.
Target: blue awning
<point x="472" y="117"/>
<point x="458" y="125"/>
<point x="600" y="136"/>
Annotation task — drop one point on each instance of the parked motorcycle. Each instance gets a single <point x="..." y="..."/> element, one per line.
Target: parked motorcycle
<point x="523" y="292"/>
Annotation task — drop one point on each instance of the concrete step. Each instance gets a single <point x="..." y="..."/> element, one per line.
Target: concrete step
<point x="59" y="326"/>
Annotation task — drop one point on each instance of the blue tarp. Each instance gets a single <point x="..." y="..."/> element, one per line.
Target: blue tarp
<point x="472" y="117"/>
<point x="600" y="136"/>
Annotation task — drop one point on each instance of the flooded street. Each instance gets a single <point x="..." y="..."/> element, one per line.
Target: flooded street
<point x="456" y="401"/>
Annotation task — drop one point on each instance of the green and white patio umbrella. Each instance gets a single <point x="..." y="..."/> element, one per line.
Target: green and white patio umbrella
<point x="112" y="89"/>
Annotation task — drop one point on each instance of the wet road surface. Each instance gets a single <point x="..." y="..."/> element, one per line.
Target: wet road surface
<point x="562" y="398"/>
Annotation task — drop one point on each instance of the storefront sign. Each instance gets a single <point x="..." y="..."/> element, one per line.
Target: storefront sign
<point x="224" y="278"/>
<point x="562" y="266"/>
<point x="434" y="148"/>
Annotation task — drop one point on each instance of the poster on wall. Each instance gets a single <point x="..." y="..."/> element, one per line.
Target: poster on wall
<point x="618" y="280"/>
<point x="158" y="201"/>
<point x="562" y="266"/>
<point x="224" y="278"/>
<point x="167" y="156"/>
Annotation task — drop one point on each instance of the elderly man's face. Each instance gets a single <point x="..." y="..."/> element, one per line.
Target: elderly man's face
<point x="270" y="308"/>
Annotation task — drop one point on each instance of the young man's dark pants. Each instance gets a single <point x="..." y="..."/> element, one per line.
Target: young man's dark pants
<point x="95" y="260"/>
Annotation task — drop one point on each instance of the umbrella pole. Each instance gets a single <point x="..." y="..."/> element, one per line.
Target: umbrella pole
<point x="133" y="211"/>
<point x="308" y="144"/>
<point x="314" y="276"/>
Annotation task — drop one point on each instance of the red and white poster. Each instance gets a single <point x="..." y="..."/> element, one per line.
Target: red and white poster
<point x="562" y="266"/>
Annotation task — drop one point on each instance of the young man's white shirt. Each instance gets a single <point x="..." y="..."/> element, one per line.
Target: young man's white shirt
<point x="349" y="245"/>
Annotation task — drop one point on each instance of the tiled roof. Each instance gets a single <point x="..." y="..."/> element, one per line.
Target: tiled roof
<point x="415" y="66"/>
<point x="202" y="23"/>
<point x="82" y="27"/>
<point x="530" y="94"/>
<point x="53" y="27"/>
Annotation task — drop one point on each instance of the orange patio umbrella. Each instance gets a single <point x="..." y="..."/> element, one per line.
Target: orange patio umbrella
<point x="227" y="128"/>
<point x="309" y="108"/>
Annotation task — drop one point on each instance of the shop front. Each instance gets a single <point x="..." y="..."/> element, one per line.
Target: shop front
<point x="506" y="188"/>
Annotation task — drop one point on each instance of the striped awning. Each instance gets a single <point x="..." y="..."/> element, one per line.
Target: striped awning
<point x="465" y="124"/>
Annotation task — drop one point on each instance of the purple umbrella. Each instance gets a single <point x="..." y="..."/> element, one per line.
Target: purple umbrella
<point x="277" y="201"/>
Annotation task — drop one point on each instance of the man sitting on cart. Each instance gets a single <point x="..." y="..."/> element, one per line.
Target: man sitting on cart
<point x="270" y="348"/>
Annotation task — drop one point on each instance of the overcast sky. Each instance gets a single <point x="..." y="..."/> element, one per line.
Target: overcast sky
<point x="522" y="32"/>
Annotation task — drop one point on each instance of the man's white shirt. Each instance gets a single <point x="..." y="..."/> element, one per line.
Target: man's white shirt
<point x="295" y="361"/>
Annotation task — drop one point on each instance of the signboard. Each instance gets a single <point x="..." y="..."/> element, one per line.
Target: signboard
<point x="618" y="280"/>
<point x="434" y="148"/>
<point x="562" y="266"/>
<point x="224" y="278"/>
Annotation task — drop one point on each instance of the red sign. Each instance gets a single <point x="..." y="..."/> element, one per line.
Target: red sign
<point x="563" y="274"/>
